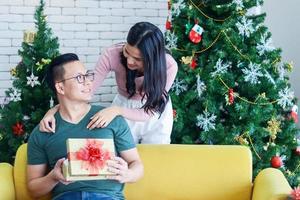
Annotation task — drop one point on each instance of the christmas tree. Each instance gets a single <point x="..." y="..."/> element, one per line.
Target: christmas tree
<point x="29" y="98"/>
<point x="231" y="87"/>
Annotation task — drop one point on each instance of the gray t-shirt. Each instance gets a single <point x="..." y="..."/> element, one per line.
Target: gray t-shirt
<point x="47" y="148"/>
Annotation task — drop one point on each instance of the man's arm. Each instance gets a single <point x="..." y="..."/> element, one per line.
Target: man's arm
<point x="128" y="168"/>
<point x="38" y="183"/>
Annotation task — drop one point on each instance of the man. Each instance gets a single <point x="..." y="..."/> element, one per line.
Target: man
<point x="46" y="152"/>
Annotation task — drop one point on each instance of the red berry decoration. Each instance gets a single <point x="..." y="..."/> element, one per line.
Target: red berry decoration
<point x="297" y="151"/>
<point x="276" y="162"/>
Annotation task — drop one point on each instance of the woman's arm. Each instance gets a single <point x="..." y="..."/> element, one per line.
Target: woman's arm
<point x="102" y="68"/>
<point x="105" y="116"/>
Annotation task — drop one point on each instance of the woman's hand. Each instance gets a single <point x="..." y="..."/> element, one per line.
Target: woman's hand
<point x="119" y="167"/>
<point x="102" y="118"/>
<point x="47" y="124"/>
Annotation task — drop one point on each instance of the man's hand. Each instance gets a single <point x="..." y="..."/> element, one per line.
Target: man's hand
<point x="119" y="167"/>
<point x="56" y="172"/>
<point x="40" y="183"/>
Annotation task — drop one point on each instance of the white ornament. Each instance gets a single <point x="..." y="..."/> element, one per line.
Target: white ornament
<point x="265" y="45"/>
<point x="51" y="102"/>
<point x="25" y="118"/>
<point x="245" y="27"/>
<point x="285" y="98"/>
<point x="295" y="108"/>
<point x="269" y="77"/>
<point x="255" y="10"/>
<point x="200" y="86"/>
<point x="252" y="73"/>
<point x="239" y="4"/>
<point x="177" y="7"/>
<point x="32" y="80"/>
<point x="266" y="146"/>
<point x="171" y="40"/>
<point x="179" y="86"/>
<point x="15" y="95"/>
<point x="221" y="68"/>
<point x="4" y="102"/>
<point x="281" y="72"/>
<point x="206" y="121"/>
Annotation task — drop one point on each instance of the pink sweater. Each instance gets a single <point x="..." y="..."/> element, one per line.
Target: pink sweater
<point x="110" y="60"/>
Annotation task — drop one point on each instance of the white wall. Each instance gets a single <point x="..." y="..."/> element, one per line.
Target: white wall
<point x="85" y="27"/>
<point x="283" y="20"/>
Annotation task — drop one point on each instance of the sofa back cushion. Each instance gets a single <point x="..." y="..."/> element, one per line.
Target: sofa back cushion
<point x="177" y="172"/>
<point x="187" y="172"/>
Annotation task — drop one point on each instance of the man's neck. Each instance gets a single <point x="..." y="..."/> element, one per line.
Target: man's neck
<point x="73" y="112"/>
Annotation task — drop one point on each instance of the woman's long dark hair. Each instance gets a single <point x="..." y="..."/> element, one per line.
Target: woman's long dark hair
<point x="150" y="41"/>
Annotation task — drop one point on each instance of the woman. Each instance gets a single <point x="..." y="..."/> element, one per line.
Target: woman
<point x="144" y="74"/>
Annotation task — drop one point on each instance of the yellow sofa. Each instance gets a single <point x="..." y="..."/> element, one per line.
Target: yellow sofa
<point x="178" y="172"/>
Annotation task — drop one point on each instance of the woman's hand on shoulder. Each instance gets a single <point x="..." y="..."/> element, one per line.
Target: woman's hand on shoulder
<point x="47" y="124"/>
<point x="102" y="118"/>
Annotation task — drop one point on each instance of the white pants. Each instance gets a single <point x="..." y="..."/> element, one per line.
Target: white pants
<point x="156" y="130"/>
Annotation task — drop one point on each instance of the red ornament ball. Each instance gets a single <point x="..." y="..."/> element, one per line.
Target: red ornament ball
<point x="174" y="113"/>
<point x="297" y="151"/>
<point x="276" y="162"/>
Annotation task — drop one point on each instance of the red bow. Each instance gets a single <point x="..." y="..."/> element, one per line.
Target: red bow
<point x="93" y="156"/>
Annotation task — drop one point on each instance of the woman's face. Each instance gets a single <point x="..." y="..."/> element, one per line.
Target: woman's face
<point x="134" y="57"/>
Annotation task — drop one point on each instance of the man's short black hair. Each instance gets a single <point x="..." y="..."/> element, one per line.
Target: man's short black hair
<point x="56" y="71"/>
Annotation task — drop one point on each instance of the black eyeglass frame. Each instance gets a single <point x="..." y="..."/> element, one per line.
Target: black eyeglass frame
<point x="81" y="80"/>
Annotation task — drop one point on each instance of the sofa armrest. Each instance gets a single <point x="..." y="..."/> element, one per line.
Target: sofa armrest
<point x="270" y="184"/>
<point x="7" y="188"/>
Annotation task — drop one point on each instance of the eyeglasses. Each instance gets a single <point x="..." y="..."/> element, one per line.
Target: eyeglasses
<point x="81" y="78"/>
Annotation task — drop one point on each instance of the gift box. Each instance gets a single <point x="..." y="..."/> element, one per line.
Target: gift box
<point x="87" y="159"/>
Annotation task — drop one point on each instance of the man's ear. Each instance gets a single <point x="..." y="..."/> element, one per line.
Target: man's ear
<point x="59" y="88"/>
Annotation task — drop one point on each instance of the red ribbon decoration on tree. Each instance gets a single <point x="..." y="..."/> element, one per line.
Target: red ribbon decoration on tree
<point x="168" y="24"/>
<point x="18" y="129"/>
<point x="93" y="156"/>
<point x="230" y="96"/>
<point x="193" y="64"/>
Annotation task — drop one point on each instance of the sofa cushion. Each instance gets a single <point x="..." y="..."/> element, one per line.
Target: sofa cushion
<point x="193" y="172"/>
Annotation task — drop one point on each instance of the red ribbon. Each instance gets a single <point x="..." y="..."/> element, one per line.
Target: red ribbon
<point x="93" y="156"/>
<point x="230" y="96"/>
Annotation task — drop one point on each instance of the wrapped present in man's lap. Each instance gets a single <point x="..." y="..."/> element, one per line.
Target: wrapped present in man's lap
<point x="87" y="159"/>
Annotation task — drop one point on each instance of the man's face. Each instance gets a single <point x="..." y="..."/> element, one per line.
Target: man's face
<point x="77" y="82"/>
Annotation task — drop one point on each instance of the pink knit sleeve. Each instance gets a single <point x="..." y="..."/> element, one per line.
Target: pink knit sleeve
<point x="172" y="69"/>
<point x="103" y="67"/>
<point x="140" y="114"/>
